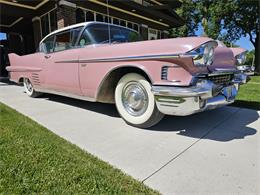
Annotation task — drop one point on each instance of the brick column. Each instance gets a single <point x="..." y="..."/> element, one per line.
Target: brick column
<point x="66" y="14"/>
<point x="37" y="34"/>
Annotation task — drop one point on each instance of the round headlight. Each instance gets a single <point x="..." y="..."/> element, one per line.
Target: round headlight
<point x="203" y="55"/>
<point x="208" y="55"/>
<point x="241" y="59"/>
<point x="211" y="56"/>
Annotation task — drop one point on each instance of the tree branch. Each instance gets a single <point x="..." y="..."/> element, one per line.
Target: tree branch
<point x="251" y="39"/>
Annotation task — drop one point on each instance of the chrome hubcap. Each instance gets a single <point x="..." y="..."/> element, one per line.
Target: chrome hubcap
<point x="134" y="98"/>
<point x="28" y="85"/>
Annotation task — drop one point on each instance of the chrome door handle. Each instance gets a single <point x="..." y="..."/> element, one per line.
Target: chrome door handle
<point x="47" y="56"/>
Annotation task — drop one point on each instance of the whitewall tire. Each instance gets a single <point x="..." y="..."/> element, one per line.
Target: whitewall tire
<point x="135" y="101"/>
<point x="28" y="87"/>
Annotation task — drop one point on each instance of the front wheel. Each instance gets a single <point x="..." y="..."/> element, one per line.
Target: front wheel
<point x="135" y="101"/>
<point x="28" y="87"/>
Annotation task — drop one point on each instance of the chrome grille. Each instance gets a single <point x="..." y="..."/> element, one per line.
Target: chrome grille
<point x="221" y="79"/>
<point x="164" y="73"/>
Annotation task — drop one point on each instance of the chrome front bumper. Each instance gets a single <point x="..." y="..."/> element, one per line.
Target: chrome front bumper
<point x="182" y="101"/>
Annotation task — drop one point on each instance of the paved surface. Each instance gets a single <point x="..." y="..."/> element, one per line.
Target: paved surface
<point x="215" y="152"/>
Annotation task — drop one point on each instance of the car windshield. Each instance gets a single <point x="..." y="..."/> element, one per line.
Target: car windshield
<point x="99" y="33"/>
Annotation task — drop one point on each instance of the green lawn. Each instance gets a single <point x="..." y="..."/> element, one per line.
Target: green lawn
<point x="34" y="160"/>
<point x="249" y="94"/>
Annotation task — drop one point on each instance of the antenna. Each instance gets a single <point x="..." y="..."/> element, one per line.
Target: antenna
<point x="109" y="33"/>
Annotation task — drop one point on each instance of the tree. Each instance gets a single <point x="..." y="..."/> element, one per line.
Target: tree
<point x="210" y="12"/>
<point x="190" y="15"/>
<point x="242" y="20"/>
<point x="250" y="57"/>
<point x="227" y="20"/>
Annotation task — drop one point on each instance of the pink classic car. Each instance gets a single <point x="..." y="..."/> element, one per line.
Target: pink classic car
<point x="145" y="79"/>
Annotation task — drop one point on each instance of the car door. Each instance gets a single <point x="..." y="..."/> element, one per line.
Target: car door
<point x="61" y="66"/>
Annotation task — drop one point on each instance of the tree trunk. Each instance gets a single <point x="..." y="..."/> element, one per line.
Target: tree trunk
<point x="257" y="54"/>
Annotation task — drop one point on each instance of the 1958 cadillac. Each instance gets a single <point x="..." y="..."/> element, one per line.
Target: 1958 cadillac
<point x="145" y="79"/>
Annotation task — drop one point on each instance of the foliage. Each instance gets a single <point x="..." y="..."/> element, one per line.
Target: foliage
<point x="33" y="160"/>
<point x="211" y="14"/>
<point x="250" y="57"/>
<point x="226" y="20"/>
<point x="249" y="94"/>
<point x="242" y="20"/>
<point x="191" y="17"/>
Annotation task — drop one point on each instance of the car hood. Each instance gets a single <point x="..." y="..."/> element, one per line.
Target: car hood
<point x="173" y="46"/>
<point x="237" y="50"/>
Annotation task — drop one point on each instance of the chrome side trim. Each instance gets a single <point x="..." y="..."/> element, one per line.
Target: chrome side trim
<point x="65" y="94"/>
<point x="67" y="61"/>
<point x="118" y="59"/>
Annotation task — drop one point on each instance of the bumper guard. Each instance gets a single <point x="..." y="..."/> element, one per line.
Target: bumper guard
<point x="182" y="101"/>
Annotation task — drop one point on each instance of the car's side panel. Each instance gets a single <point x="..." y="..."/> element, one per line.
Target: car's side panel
<point x="62" y="76"/>
<point x="90" y="84"/>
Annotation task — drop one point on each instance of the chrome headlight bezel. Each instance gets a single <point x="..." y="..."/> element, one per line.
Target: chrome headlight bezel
<point x="241" y="58"/>
<point x="204" y="54"/>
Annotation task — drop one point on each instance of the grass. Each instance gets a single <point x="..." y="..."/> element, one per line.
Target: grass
<point x="33" y="160"/>
<point x="249" y="94"/>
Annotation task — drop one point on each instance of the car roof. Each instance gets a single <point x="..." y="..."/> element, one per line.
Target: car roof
<point x="82" y="25"/>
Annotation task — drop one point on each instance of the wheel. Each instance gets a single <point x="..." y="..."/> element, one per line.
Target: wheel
<point x="135" y="101"/>
<point x="29" y="88"/>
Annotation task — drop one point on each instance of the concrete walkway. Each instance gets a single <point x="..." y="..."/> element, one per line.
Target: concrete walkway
<point x="215" y="152"/>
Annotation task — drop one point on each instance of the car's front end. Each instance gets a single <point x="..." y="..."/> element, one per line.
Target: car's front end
<point x="207" y="90"/>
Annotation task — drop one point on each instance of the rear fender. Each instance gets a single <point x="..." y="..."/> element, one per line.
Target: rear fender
<point x="20" y="67"/>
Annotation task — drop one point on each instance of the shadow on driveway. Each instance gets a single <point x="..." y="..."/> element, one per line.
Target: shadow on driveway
<point x="230" y="123"/>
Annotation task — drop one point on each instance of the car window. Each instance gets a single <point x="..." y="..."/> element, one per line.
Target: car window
<point x="48" y="45"/>
<point x="84" y="39"/>
<point x="75" y="32"/>
<point x="62" y="41"/>
<point x="99" y="33"/>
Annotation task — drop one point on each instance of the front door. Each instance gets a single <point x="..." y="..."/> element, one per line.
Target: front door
<point x="61" y="66"/>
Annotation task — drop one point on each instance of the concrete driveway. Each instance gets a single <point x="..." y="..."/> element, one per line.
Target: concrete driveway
<point x="215" y="152"/>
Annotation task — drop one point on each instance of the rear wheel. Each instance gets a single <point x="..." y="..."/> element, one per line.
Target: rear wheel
<point x="28" y="87"/>
<point x="135" y="101"/>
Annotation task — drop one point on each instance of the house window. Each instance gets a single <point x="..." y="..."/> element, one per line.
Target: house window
<point x="80" y="16"/>
<point x="99" y="18"/>
<point x="45" y="25"/>
<point x="115" y="21"/>
<point x="122" y="23"/>
<point x="136" y="27"/>
<point x="89" y="16"/>
<point x="129" y="25"/>
<point x="48" y="22"/>
<point x="106" y="19"/>
<point x="53" y="20"/>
